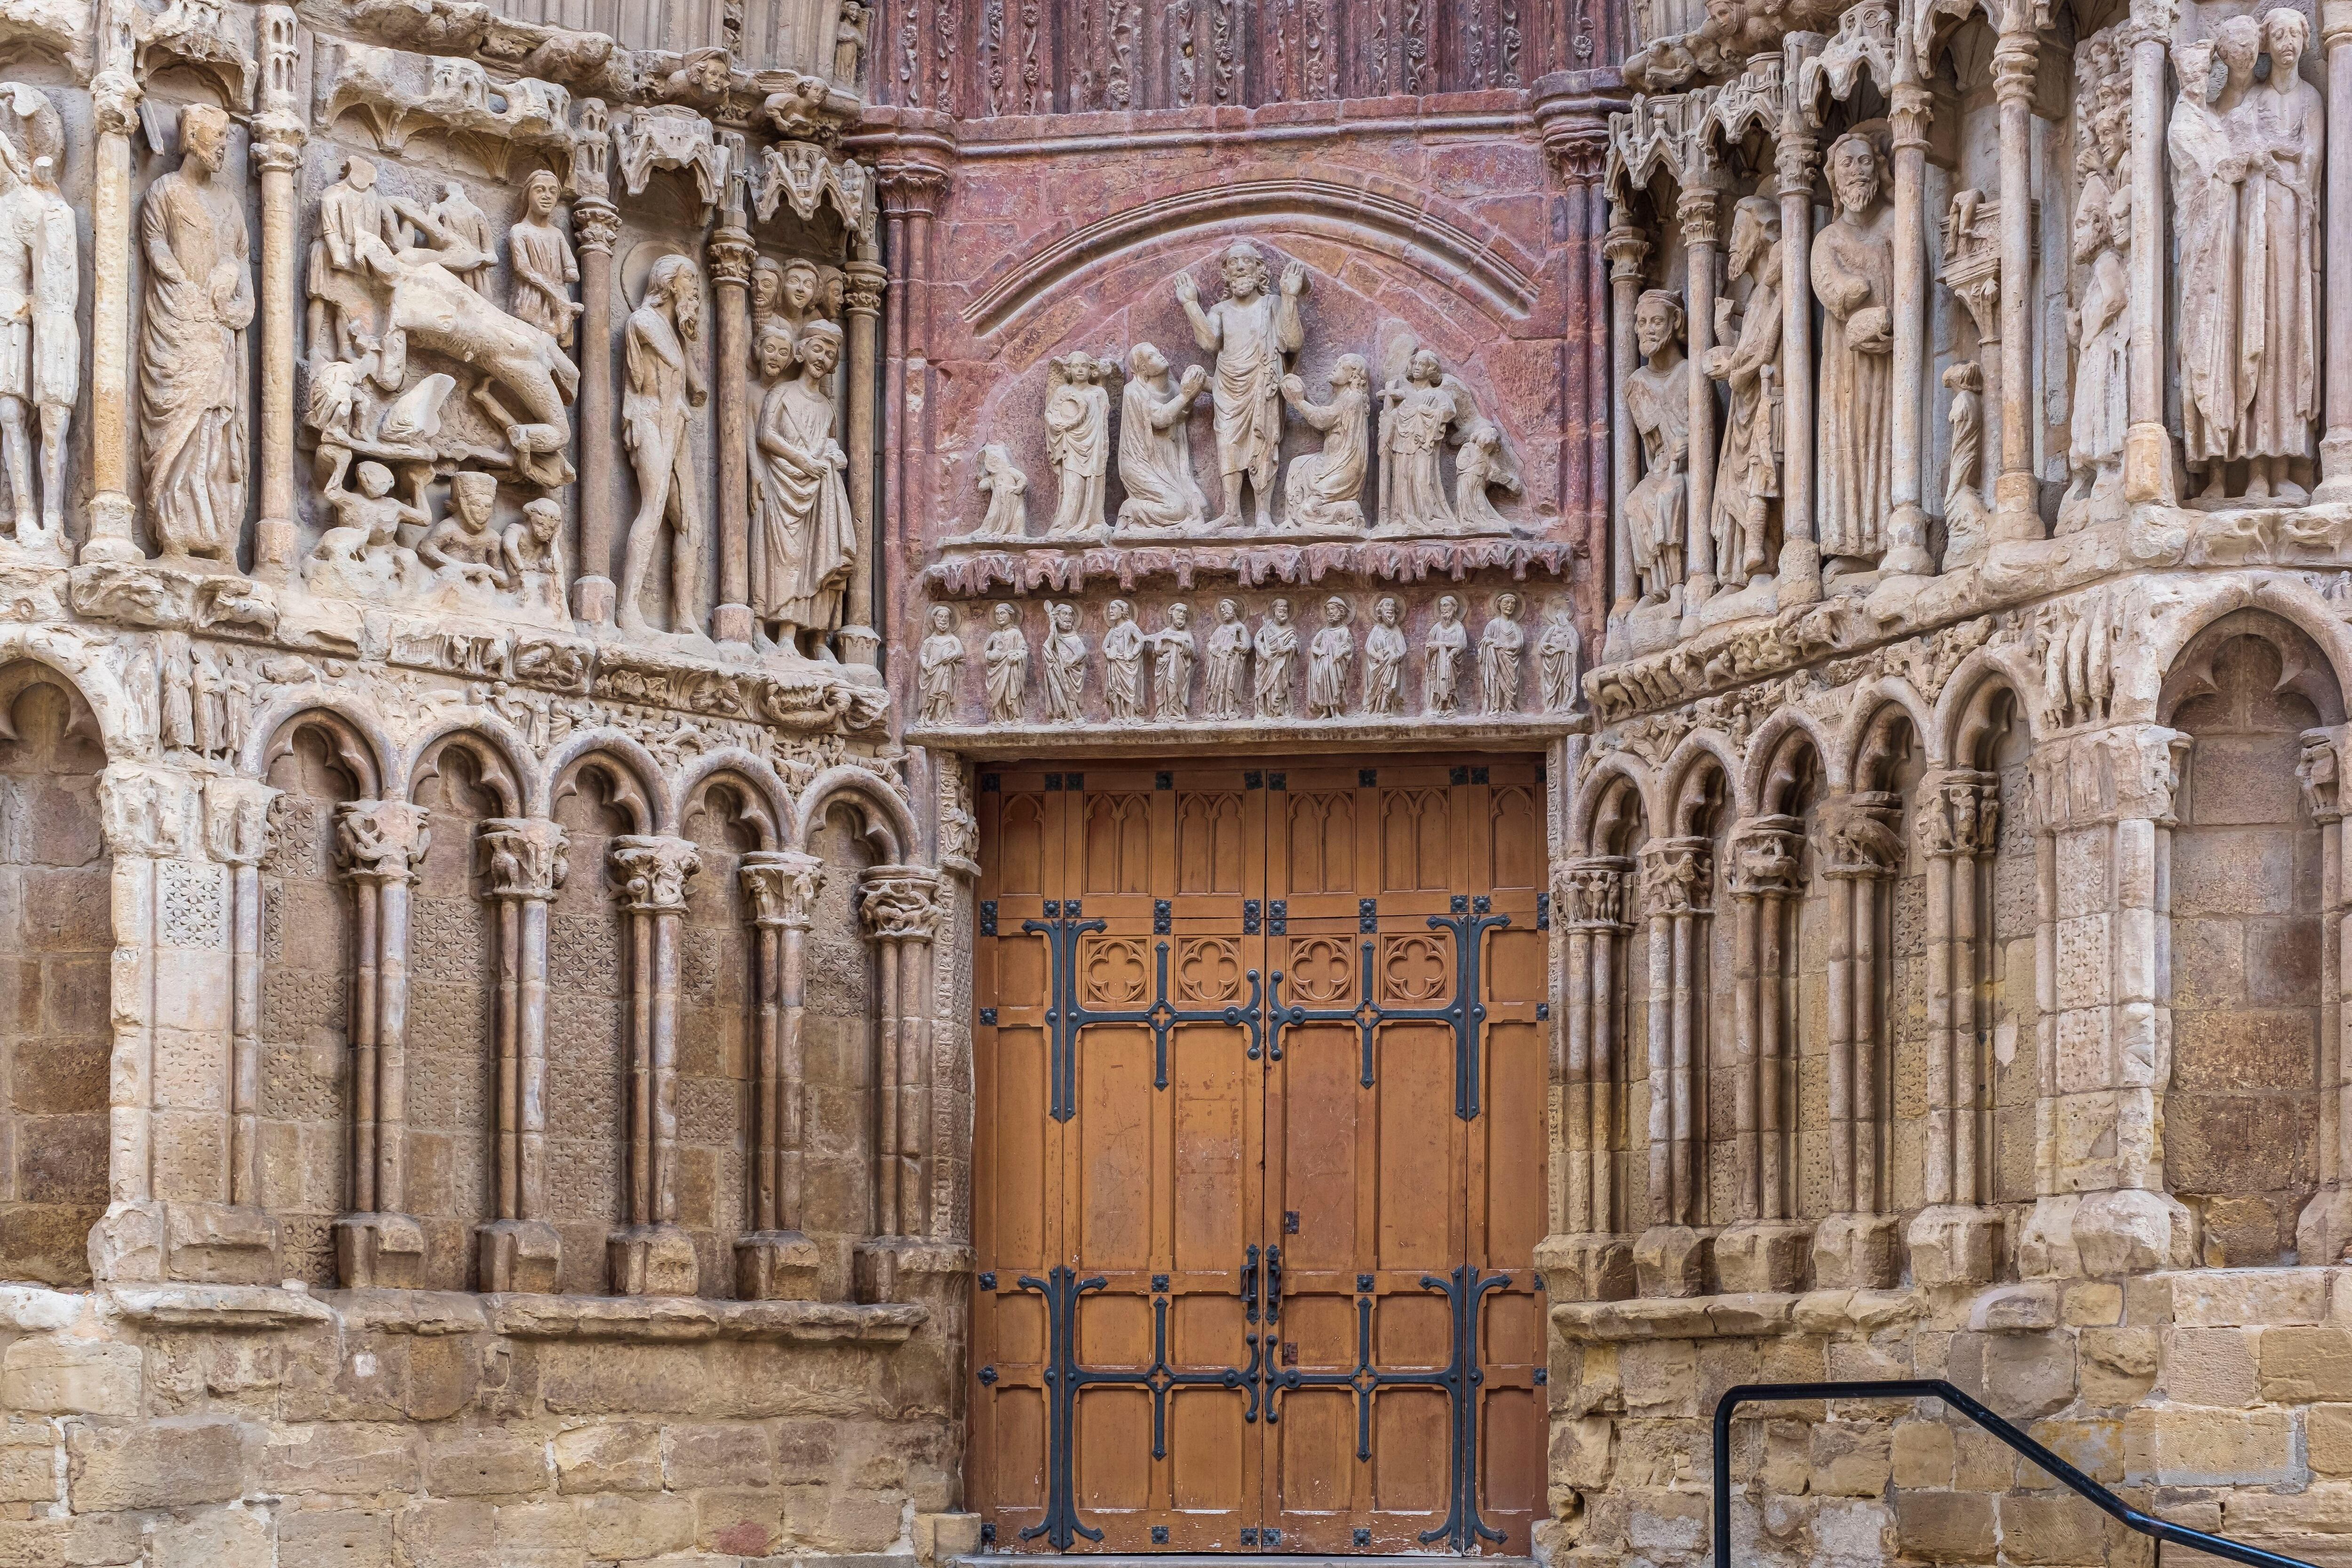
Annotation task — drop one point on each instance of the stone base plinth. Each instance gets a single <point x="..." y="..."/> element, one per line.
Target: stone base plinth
<point x="1761" y="1255"/>
<point x="379" y="1251"/>
<point x="2324" y="1230"/>
<point x="220" y="1244"/>
<point x="1595" y="1266"/>
<point x="776" y="1265"/>
<point x="653" y="1260"/>
<point x="907" y="1268"/>
<point x="519" y="1255"/>
<point x="593" y="599"/>
<point x="1955" y="1244"/>
<point x="2101" y="1235"/>
<point x="1672" y="1260"/>
<point x="1858" y="1251"/>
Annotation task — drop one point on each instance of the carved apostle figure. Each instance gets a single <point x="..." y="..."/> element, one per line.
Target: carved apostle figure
<point x="353" y="219"/>
<point x="1249" y="331"/>
<point x="1748" y="362"/>
<point x="2205" y="237"/>
<point x="1172" y="666"/>
<point x="1064" y="666"/>
<point x="802" y="533"/>
<point x="1228" y="651"/>
<point x="1078" y="441"/>
<point x="43" y="374"/>
<point x="1007" y="489"/>
<point x="1557" y="653"/>
<point x="2285" y="137"/>
<point x="665" y="385"/>
<point x="1442" y="653"/>
<point x="1384" y="651"/>
<point x="1325" y="489"/>
<point x="460" y="219"/>
<point x="1964" y="507"/>
<point x="1853" y="276"/>
<point x="1276" y="648"/>
<point x="1155" y="449"/>
<point x="1657" y="398"/>
<point x="1123" y="645"/>
<point x="542" y="262"/>
<point x="1005" y="659"/>
<point x="1327" y="658"/>
<point x="936" y="663"/>
<point x="2100" y="328"/>
<point x="1501" y="647"/>
<point x="192" y="370"/>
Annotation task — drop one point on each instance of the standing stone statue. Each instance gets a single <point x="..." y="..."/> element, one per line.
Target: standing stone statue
<point x="461" y="219"/>
<point x="2205" y="238"/>
<point x="1327" y="658"/>
<point x="1276" y="648"/>
<point x="1748" y="362"/>
<point x="801" y="528"/>
<point x="1155" y="449"/>
<point x="1249" y="331"/>
<point x="1007" y="489"/>
<point x="1853" y="276"/>
<point x="1657" y="398"/>
<point x="1229" y="644"/>
<point x="2100" y="329"/>
<point x="1065" y="666"/>
<point x="1123" y="643"/>
<point x="936" y="663"/>
<point x="2286" y="136"/>
<point x="36" y="217"/>
<point x="1325" y="489"/>
<point x="1557" y="653"/>
<point x="1384" y="651"/>
<point x="665" y="385"/>
<point x="1501" y="647"/>
<point x="1420" y="413"/>
<point x="1172" y="666"/>
<point x="1078" y="441"/>
<point x="1005" y="658"/>
<point x="192" y="369"/>
<point x="542" y="262"/>
<point x="354" y="222"/>
<point x="1442" y="655"/>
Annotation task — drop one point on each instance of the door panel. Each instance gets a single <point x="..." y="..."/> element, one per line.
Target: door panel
<point x="1251" y="1043"/>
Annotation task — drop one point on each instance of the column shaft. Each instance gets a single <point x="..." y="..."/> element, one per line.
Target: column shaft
<point x="2014" y="492"/>
<point x="595" y="228"/>
<point x="730" y="271"/>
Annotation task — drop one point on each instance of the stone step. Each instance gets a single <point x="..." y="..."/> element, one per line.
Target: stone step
<point x="1238" y="1559"/>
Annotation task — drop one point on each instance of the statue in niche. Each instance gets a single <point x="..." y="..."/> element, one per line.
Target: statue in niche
<point x="342" y="288"/>
<point x="1327" y="658"/>
<point x="1853" y="277"/>
<point x="664" y="385"/>
<point x="462" y="220"/>
<point x="1657" y="399"/>
<point x="533" y="552"/>
<point x="542" y="262"/>
<point x="1424" y="410"/>
<point x="1006" y="660"/>
<point x="1276" y="646"/>
<point x="1123" y="643"/>
<point x="2100" y="329"/>
<point x="367" y="527"/>
<point x="1228" y="651"/>
<point x="1965" y="514"/>
<point x="193" y="374"/>
<point x="1502" y="647"/>
<point x="2205" y="231"/>
<point x="1557" y="653"/>
<point x="1384" y="652"/>
<point x="461" y="546"/>
<point x="1249" y="331"/>
<point x="1078" y="441"/>
<point x="42" y="371"/>
<point x="937" y="663"/>
<point x="1748" y="362"/>
<point x="1442" y="653"/>
<point x="1172" y="666"/>
<point x="1064" y="666"/>
<point x="804" y="533"/>
<point x="2288" y="135"/>
<point x="1007" y="489"/>
<point x="1155" y="449"/>
<point x="1324" y="490"/>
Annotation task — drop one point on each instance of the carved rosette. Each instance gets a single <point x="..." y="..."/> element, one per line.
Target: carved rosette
<point x="782" y="886"/>
<point x="650" y="873"/>
<point x="524" y="857"/>
<point x="1590" y="894"/>
<point x="1960" y="816"/>
<point x="901" y="903"/>
<point x="239" y="827"/>
<point x="1766" y="857"/>
<point x="383" y="841"/>
<point x="1862" y="836"/>
<point x="1675" y="875"/>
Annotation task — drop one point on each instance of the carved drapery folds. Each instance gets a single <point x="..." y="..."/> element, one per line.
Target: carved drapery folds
<point x="383" y="843"/>
<point x="651" y="1254"/>
<point x="524" y="867"/>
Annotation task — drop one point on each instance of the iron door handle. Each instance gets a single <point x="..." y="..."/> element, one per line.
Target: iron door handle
<point x="1273" y="1284"/>
<point x="1249" y="1283"/>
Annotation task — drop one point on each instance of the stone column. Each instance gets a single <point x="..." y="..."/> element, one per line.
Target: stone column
<point x="2336" y="442"/>
<point x="910" y="195"/>
<point x="777" y="1261"/>
<point x="1696" y="211"/>
<point x="2148" y="443"/>
<point x="114" y="117"/>
<point x="2016" y="54"/>
<point x="525" y="867"/>
<point x="1954" y="1238"/>
<point x="1627" y="249"/>
<point x="1799" y="575"/>
<point x="1906" y="531"/>
<point x="651" y="1255"/>
<point x="2324" y="1227"/>
<point x="1854" y="1246"/>
<point x="1571" y="109"/>
<point x="595" y="229"/>
<point x="383" y="842"/>
<point x="1588" y="1257"/>
<point x="1762" y="1250"/>
<point x="238" y="834"/>
<point x="277" y="137"/>
<point x="900" y="910"/>
<point x="861" y="301"/>
<point x="732" y="255"/>
<point x="1671" y="1258"/>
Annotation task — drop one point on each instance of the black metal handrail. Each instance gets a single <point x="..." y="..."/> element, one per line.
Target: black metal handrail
<point x="2065" y="1474"/>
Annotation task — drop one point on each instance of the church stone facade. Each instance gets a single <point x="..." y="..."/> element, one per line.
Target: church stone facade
<point x="829" y="782"/>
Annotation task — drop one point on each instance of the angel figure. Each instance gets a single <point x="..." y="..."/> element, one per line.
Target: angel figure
<point x="1077" y="440"/>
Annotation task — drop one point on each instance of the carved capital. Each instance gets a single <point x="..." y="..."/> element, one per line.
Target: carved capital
<point x="1795" y="162"/>
<point x="1590" y="894"/>
<point x="900" y="902"/>
<point x="2128" y="773"/>
<point x="2334" y="20"/>
<point x="383" y="841"/>
<point x="146" y="813"/>
<point x="2315" y="771"/>
<point x="1579" y="151"/>
<point x="1698" y="211"/>
<point x="2016" y="56"/>
<point x="650" y="873"/>
<point x="114" y="98"/>
<point x="911" y="190"/>
<point x="1766" y="856"/>
<point x="1912" y="112"/>
<point x="1627" y="249"/>
<point x="238" y="822"/>
<point x="524" y="856"/>
<point x="595" y="224"/>
<point x="1960" y="815"/>
<point x="1675" y="876"/>
<point x="862" y="288"/>
<point x="278" y="143"/>
<point x="782" y="886"/>
<point x="1862" y="841"/>
<point x="732" y="255"/>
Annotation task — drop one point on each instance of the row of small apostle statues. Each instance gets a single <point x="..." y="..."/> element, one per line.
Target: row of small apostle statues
<point x="1233" y="690"/>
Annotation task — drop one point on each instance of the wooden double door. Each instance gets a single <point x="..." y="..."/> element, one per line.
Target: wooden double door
<point x="1260" y="1080"/>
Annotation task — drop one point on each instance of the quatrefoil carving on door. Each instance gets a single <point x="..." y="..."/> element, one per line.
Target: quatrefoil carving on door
<point x="1208" y="969"/>
<point x="1115" y="972"/>
<point x="1413" y="970"/>
<point x="1322" y="969"/>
